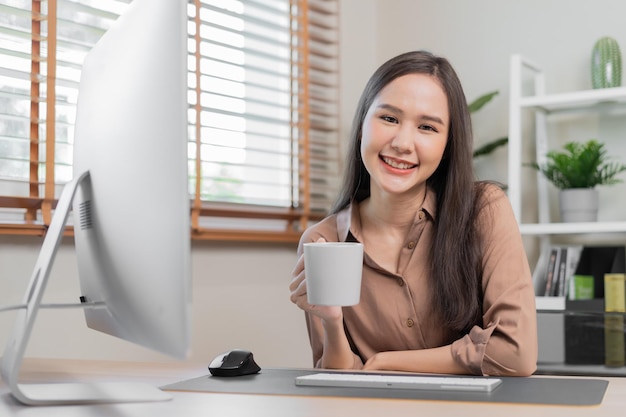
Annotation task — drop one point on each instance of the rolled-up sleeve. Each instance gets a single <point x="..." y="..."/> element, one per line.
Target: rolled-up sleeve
<point x="332" y="229"/>
<point x="507" y="342"/>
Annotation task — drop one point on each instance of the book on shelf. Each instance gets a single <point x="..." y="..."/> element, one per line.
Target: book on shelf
<point x="573" y="257"/>
<point x="559" y="273"/>
<point x="554" y="270"/>
<point x="615" y="292"/>
<point x="568" y="261"/>
<point x="553" y="262"/>
<point x="580" y="287"/>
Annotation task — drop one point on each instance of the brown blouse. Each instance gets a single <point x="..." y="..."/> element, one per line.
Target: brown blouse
<point x="395" y="309"/>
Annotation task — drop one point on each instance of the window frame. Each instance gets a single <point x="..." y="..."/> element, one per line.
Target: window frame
<point x="287" y="222"/>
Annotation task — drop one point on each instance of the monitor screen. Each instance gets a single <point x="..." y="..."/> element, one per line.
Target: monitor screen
<point x="129" y="199"/>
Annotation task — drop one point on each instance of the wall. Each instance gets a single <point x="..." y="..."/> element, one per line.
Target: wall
<point x="479" y="36"/>
<point x="240" y="299"/>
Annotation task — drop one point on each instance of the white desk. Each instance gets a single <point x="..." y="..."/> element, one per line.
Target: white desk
<point x="188" y="404"/>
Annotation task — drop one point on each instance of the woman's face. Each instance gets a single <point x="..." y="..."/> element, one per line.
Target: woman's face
<point x="405" y="131"/>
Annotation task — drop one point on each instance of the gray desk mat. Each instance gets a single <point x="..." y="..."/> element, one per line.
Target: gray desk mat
<point x="534" y="390"/>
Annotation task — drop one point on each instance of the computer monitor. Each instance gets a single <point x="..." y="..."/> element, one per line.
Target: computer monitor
<point x="130" y="202"/>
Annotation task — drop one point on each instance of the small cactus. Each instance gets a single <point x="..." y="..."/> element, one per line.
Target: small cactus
<point x="606" y="64"/>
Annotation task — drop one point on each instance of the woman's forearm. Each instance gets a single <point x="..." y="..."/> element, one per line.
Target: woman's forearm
<point x="435" y="360"/>
<point x="337" y="353"/>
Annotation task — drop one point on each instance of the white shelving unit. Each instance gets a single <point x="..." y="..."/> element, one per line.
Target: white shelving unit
<point x="543" y="105"/>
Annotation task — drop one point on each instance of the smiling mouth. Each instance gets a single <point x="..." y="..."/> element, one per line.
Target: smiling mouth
<point x="396" y="164"/>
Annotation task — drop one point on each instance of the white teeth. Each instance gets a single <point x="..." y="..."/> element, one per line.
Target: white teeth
<point x="399" y="165"/>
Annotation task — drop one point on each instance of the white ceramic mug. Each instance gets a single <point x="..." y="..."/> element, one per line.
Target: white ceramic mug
<point x="333" y="273"/>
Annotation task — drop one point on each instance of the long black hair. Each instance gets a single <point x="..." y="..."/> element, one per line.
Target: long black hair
<point x="455" y="254"/>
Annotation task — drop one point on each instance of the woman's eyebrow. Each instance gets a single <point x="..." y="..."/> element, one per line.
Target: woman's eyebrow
<point x="390" y="107"/>
<point x="433" y="119"/>
<point x="426" y="117"/>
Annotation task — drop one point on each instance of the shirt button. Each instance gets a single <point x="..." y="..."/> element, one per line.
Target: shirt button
<point x="410" y="322"/>
<point x="401" y="282"/>
<point x="411" y="245"/>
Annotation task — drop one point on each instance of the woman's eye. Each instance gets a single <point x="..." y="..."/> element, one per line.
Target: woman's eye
<point x="428" y="127"/>
<point x="389" y="119"/>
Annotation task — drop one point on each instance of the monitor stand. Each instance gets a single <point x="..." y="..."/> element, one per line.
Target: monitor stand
<point x="60" y="393"/>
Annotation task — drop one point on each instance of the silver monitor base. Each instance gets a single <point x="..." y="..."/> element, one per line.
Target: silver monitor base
<point x="88" y="393"/>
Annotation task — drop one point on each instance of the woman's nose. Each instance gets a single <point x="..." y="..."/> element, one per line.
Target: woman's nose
<point x="403" y="140"/>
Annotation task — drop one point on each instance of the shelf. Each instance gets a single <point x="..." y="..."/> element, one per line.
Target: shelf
<point x="572" y="228"/>
<point x="550" y="303"/>
<point x="575" y="100"/>
<point x="602" y="100"/>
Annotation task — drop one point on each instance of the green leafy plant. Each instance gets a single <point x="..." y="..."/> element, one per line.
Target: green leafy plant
<point x="580" y="165"/>
<point x="476" y="105"/>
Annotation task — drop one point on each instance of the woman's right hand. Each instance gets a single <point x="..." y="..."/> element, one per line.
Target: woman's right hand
<point x="299" y="294"/>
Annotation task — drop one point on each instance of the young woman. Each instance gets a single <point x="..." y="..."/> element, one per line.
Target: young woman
<point x="446" y="285"/>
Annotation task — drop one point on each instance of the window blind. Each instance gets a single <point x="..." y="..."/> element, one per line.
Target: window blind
<point x="42" y="45"/>
<point x="263" y="111"/>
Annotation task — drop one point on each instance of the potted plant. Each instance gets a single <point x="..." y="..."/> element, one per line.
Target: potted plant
<point x="576" y="172"/>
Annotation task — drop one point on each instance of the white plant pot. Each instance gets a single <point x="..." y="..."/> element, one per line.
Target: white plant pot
<point x="578" y="205"/>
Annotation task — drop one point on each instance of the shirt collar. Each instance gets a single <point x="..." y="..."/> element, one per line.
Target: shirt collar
<point x="349" y="219"/>
<point x="430" y="203"/>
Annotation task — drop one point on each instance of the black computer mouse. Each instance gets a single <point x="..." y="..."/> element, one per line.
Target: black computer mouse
<point x="236" y="362"/>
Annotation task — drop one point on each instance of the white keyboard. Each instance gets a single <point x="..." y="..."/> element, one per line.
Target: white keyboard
<point x="415" y="382"/>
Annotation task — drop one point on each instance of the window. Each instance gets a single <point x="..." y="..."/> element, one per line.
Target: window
<point x="263" y="111"/>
